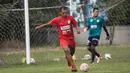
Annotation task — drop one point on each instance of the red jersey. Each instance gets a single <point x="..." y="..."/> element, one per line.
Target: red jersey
<point x="65" y="26"/>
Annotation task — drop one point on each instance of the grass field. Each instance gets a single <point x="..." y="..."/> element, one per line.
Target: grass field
<point x="120" y="62"/>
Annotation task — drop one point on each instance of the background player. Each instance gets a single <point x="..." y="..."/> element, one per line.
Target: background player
<point x="94" y="27"/>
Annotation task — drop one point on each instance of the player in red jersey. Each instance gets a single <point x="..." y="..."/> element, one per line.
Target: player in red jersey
<point x="65" y="24"/>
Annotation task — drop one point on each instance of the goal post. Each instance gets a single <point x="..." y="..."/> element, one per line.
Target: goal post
<point x="27" y="33"/>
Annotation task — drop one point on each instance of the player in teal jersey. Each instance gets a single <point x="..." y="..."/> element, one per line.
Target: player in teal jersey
<point x="94" y="27"/>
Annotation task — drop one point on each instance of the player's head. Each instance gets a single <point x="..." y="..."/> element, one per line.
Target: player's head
<point x="63" y="11"/>
<point x="95" y="12"/>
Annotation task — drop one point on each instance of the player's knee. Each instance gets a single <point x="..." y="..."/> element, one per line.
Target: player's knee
<point x="94" y="43"/>
<point x="93" y="50"/>
<point x="88" y="44"/>
<point x="92" y="47"/>
<point x="89" y="49"/>
<point x="66" y="49"/>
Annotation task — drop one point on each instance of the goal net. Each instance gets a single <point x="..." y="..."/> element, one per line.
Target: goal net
<point x="45" y="41"/>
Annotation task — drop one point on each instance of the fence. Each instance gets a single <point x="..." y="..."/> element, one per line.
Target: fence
<point x="12" y="27"/>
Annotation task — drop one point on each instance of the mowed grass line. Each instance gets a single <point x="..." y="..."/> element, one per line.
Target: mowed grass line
<point x="120" y="62"/>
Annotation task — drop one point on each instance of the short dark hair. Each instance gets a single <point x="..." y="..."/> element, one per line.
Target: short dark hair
<point x="95" y="9"/>
<point x="64" y="8"/>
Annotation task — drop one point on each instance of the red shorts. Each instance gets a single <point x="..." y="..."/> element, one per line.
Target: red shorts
<point x="67" y="42"/>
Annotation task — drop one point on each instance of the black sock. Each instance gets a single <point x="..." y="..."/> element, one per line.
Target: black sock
<point x="89" y="49"/>
<point x="97" y="54"/>
<point x="72" y="50"/>
<point x="93" y="55"/>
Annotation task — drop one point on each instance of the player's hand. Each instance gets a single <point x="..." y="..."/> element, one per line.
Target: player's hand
<point x="37" y="27"/>
<point x="78" y="31"/>
<point x="85" y="29"/>
<point x="108" y="38"/>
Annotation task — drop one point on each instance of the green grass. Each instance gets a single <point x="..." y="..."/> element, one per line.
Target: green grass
<point x="120" y="62"/>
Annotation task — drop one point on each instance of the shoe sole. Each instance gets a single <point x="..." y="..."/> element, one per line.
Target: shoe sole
<point x="74" y="70"/>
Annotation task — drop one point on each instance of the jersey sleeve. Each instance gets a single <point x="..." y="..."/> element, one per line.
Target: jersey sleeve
<point x="73" y="21"/>
<point x="88" y="22"/>
<point x="54" y="22"/>
<point x="103" y="21"/>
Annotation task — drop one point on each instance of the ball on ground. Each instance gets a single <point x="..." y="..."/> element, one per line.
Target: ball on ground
<point x="84" y="67"/>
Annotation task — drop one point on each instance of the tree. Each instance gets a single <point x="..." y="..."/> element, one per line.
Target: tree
<point x="6" y="1"/>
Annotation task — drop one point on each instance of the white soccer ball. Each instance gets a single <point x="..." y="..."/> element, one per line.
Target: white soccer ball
<point x="84" y="67"/>
<point x="108" y="56"/>
<point x="32" y="60"/>
<point x="56" y="59"/>
<point x="87" y="57"/>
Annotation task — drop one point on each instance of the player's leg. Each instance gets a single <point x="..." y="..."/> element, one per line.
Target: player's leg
<point x="89" y="49"/>
<point x="65" y="46"/>
<point x="69" y="58"/>
<point x="72" y="51"/>
<point x="93" y="46"/>
<point x="89" y="44"/>
<point x="95" y="42"/>
<point x="93" y="53"/>
<point x="67" y="53"/>
<point x="71" y="46"/>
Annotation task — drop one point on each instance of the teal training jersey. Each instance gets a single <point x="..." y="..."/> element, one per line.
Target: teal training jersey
<point x="95" y="25"/>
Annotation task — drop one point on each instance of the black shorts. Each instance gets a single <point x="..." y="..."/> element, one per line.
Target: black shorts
<point x="93" y="40"/>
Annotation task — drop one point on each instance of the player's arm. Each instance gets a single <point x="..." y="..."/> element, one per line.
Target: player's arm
<point x="41" y="26"/>
<point x="52" y="22"/>
<point x="77" y="28"/>
<point x="105" y="29"/>
<point x="86" y="28"/>
<point x="107" y="34"/>
<point x="87" y="25"/>
<point x="74" y="22"/>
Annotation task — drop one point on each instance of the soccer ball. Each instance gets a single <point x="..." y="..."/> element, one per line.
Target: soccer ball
<point x="32" y="60"/>
<point x="107" y="56"/>
<point x="84" y="67"/>
<point x="87" y="57"/>
<point x="56" y="59"/>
